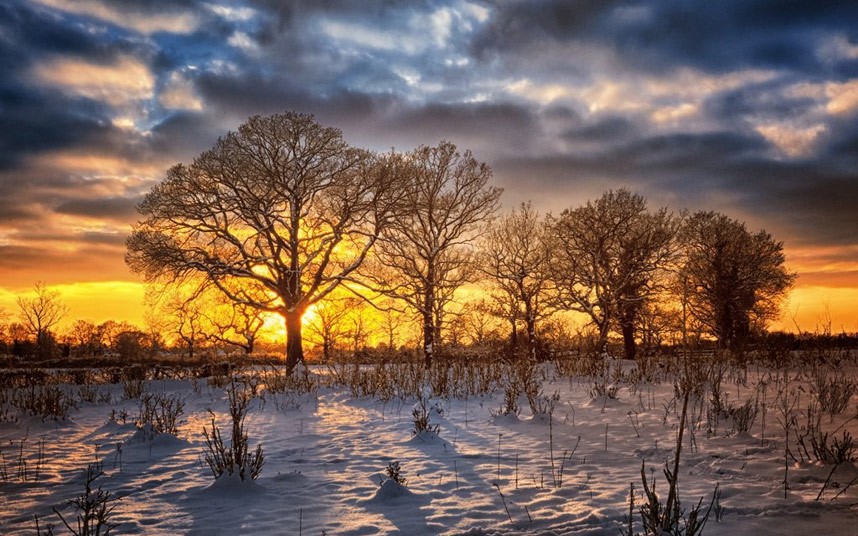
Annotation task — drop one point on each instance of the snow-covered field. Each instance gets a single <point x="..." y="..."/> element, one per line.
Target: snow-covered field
<point x="326" y="452"/>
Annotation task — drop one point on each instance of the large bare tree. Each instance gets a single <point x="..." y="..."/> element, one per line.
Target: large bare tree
<point x="40" y="313"/>
<point x="514" y="255"/>
<point x="732" y="280"/>
<point x="607" y="259"/>
<point x="283" y="205"/>
<point x="425" y="254"/>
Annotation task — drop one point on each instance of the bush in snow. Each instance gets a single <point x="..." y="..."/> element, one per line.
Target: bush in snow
<point x="237" y="457"/>
<point x="394" y="473"/>
<point x="133" y="382"/>
<point x="45" y="401"/>
<point x="743" y="415"/>
<point x="603" y="384"/>
<point x="161" y="411"/>
<point x="420" y="417"/>
<point x="94" y="509"/>
<point x="832" y="392"/>
<point x="511" y="393"/>
<point x="670" y="519"/>
<point x="828" y="448"/>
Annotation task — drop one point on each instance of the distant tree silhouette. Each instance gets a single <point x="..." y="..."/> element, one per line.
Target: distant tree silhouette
<point x="479" y="319"/>
<point x="328" y="322"/>
<point x="732" y="280"/>
<point x="40" y="313"/>
<point x="234" y="324"/>
<point x="85" y="338"/>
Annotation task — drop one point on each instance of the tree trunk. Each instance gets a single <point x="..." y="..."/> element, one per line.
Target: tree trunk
<point x="326" y="348"/>
<point x="42" y="344"/>
<point x="429" y="322"/>
<point x="602" y="343"/>
<point x="436" y="334"/>
<point x="428" y="339"/>
<point x="294" y="347"/>
<point x="189" y="341"/>
<point x="513" y="336"/>
<point x="530" y="324"/>
<point x="725" y="329"/>
<point x="629" y="345"/>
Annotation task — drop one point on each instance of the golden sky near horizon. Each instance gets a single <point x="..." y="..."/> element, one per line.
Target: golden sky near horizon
<point x="810" y="307"/>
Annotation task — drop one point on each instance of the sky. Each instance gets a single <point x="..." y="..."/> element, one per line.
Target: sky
<point x="746" y="107"/>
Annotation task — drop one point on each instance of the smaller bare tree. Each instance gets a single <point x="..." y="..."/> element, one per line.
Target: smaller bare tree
<point x="479" y="322"/>
<point x="424" y="255"/>
<point x="181" y="307"/>
<point x="327" y="324"/>
<point x="609" y="257"/>
<point x="40" y="313"/>
<point x="85" y="338"/>
<point x="231" y="323"/>
<point x="514" y="256"/>
<point x="392" y="321"/>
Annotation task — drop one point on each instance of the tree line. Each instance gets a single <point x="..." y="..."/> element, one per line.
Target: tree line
<point x="33" y="331"/>
<point x="282" y="215"/>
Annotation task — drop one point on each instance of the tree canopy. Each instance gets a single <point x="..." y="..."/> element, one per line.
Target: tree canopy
<point x="425" y="254"/>
<point x="607" y="256"/>
<point x="283" y="204"/>
<point x="731" y="279"/>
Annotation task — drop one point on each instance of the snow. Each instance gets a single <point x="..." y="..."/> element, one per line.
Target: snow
<point x="483" y="473"/>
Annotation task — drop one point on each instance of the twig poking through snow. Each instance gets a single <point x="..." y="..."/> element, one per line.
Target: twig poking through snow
<point x="503" y="500"/>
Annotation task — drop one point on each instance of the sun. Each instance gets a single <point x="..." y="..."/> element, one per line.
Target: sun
<point x="275" y="326"/>
<point x="309" y="315"/>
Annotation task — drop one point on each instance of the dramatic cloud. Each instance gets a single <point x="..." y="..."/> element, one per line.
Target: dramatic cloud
<point x="120" y="83"/>
<point x="143" y="17"/>
<point x="749" y="107"/>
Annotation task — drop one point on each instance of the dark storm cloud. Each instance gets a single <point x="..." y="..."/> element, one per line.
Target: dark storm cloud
<point x="804" y="204"/>
<point x="609" y="129"/>
<point x="490" y="127"/>
<point x="35" y="121"/>
<point x="117" y="240"/>
<point x="111" y="208"/>
<point x="840" y="144"/>
<point x="184" y="133"/>
<point x="736" y="34"/>
<point x="293" y="15"/>
<point x="757" y="100"/>
<point x="515" y="23"/>
<point x="242" y="97"/>
<point x="13" y="212"/>
<point x="682" y="160"/>
<point x="661" y="35"/>
<point x="29" y="32"/>
<point x="808" y="201"/>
